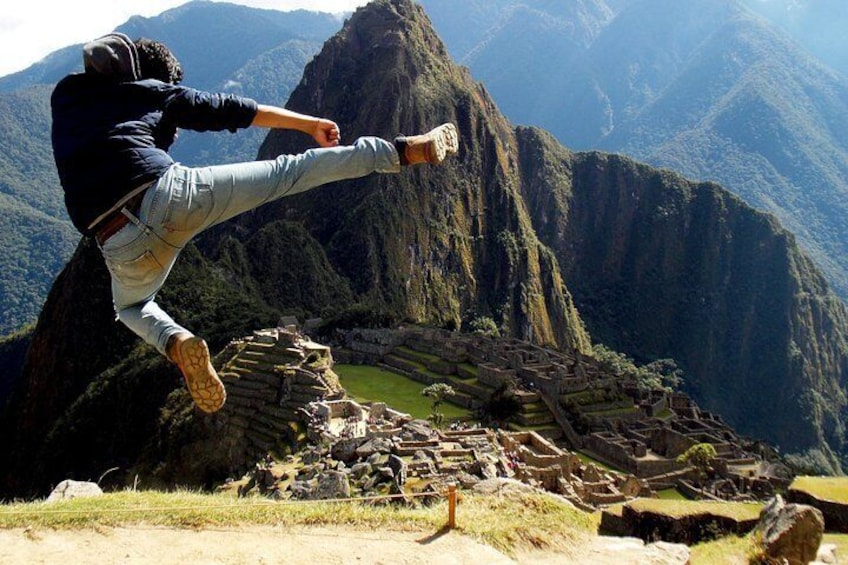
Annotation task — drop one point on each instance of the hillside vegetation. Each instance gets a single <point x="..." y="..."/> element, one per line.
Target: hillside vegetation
<point x="706" y="88"/>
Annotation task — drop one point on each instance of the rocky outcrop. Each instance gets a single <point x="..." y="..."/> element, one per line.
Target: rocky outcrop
<point x="791" y="533"/>
<point x="69" y="489"/>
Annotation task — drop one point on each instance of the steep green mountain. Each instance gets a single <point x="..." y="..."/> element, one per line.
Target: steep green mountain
<point x="818" y="25"/>
<point x="262" y="57"/>
<point x="36" y="237"/>
<point x="706" y="88"/>
<point x="507" y="230"/>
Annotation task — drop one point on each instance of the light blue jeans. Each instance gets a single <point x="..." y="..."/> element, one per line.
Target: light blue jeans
<point x="185" y="201"/>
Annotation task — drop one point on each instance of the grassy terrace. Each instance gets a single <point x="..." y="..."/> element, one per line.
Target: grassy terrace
<point x="515" y="427"/>
<point x="417" y="354"/>
<point x="683" y="508"/>
<point x="373" y="384"/>
<point x="419" y="366"/>
<point x="613" y="411"/>
<point x="665" y="414"/>
<point x="834" y="489"/>
<point x="468" y="367"/>
<point x="670" y="494"/>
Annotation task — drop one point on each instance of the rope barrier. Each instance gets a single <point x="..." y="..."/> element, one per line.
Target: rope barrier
<point x="451" y="496"/>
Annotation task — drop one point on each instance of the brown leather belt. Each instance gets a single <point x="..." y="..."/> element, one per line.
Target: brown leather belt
<point x="117" y="220"/>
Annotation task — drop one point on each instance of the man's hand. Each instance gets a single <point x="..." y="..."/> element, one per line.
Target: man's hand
<point x="327" y="133"/>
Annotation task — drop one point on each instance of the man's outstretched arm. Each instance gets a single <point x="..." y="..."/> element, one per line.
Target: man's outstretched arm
<point x="324" y="132"/>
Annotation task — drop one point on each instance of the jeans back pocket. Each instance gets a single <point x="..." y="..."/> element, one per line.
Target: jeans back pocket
<point x="140" y="271"/>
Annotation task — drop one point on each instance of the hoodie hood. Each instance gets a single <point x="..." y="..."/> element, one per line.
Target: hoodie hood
<point x="113" y="55"/>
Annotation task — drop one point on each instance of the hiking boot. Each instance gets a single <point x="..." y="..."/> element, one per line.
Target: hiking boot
<point x="431" y="147"/>
<point x="191" y="354"/>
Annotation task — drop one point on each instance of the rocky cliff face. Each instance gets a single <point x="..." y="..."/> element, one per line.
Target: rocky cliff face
<point x="659" y="267"/>
<point x="664" y="267"/>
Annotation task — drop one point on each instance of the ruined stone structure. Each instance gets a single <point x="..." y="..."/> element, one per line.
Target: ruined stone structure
<point x="270" y="378"/>
<point x="278" y="379"/>
<point x="465" y="456"/>
<point x="575" y="402"/>
<point x="536" y="461"/>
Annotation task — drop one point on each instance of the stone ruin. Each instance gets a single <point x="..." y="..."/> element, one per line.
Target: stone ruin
<point x="270" y="377"/>
<point x="373" y="451"/>
<point x="538" y="462"/>
<point x="279" y="382"/>
<point x="578" y="405"/>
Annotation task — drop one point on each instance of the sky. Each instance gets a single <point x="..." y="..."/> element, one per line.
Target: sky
<point x="32" y="29"/>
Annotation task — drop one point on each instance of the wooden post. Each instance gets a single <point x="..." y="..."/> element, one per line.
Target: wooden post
<point x="451" y="506"/>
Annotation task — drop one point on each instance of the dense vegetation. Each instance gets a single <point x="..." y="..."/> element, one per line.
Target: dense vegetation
<point x="818" y="25"/>
<point x="707" y="89"/>
<point x="35" y="233"/>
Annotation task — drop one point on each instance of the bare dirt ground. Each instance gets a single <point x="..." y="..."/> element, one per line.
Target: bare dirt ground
<point x="266" y="546"/>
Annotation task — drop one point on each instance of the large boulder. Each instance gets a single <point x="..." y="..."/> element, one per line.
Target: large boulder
<point x="791" y="531"/>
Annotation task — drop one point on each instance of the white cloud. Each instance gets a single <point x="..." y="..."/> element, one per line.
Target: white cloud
<point x="32" y="29"/>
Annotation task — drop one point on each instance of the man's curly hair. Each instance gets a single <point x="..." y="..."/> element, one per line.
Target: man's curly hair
<point x="157" y="61"/>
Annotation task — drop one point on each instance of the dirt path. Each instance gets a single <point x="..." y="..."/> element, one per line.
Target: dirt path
<point x="256" y="546"/>
<point x="275" y="546"/>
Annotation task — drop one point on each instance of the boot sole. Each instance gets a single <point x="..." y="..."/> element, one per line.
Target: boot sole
<point x="445" y="141"/>
<point x="202" y="381"/>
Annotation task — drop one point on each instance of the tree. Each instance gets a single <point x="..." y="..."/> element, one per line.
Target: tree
<point x="438" y="392"/>
<point x="700" y="456"/>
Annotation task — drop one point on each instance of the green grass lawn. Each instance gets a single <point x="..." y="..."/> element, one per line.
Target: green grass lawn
<point x="373" y="384"/>
<point x="681" y="508"/>
<point x="834" y="489"/>
<point x="670" y="494"/>
<point x="507" y="523"/>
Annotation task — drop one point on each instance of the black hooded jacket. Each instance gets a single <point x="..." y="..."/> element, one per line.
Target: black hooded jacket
<point x="111" y="129"/>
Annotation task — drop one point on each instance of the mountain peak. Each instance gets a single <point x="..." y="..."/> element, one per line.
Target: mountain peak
<point x="387" y="52"/>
